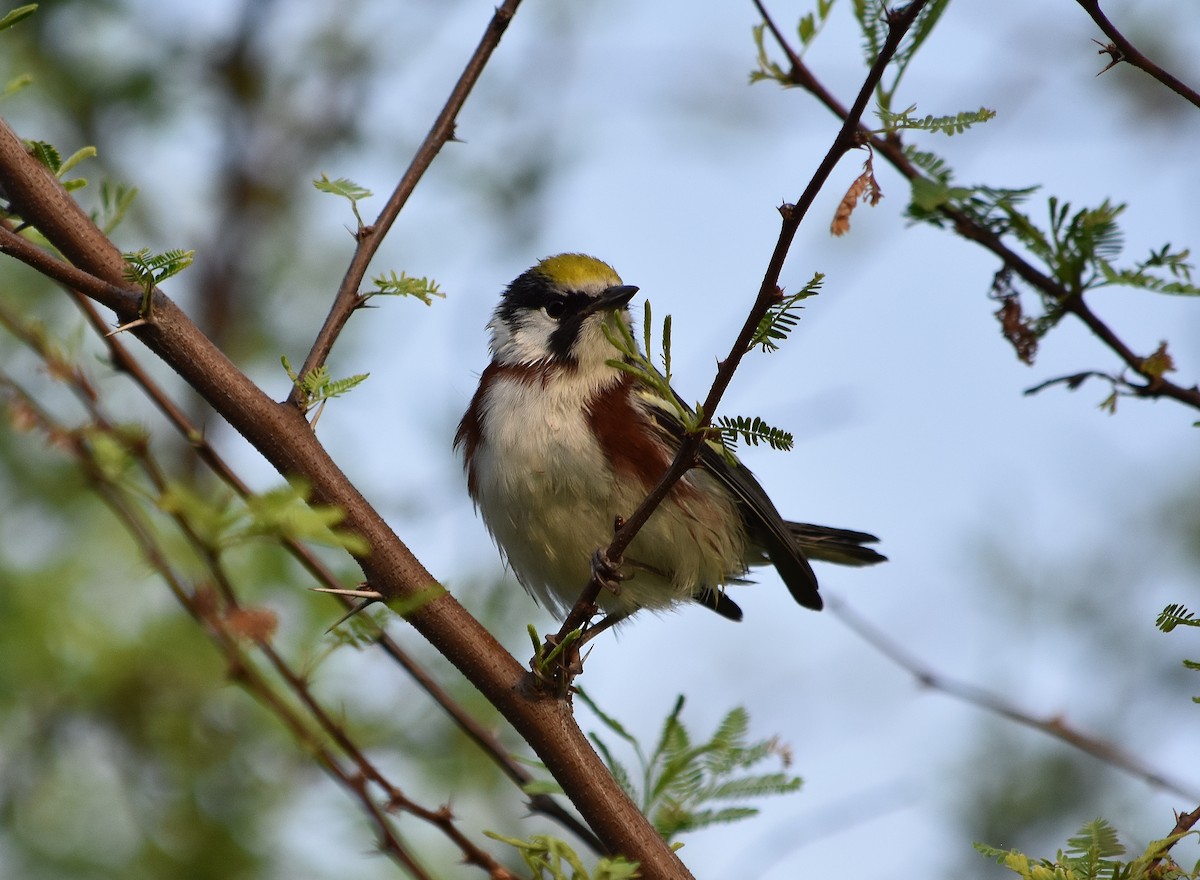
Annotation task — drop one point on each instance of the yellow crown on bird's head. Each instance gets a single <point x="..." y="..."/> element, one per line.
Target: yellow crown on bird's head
<point x="577" y="271"/>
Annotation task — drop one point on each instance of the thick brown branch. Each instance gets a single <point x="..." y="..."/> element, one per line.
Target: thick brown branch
<point x="1123" y="50"/>
<point x="284" y="438"/>
<point x="124" y="361"/>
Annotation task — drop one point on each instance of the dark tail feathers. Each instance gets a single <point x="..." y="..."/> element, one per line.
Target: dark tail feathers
<point x="842" y="546"/>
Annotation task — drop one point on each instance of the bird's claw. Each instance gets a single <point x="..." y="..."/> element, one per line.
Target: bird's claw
<point x="607" y="572"/>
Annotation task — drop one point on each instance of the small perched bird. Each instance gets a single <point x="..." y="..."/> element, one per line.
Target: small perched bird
<point x="558" y="443"/>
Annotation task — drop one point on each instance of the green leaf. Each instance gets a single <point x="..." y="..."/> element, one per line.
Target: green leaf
<point x="112" y="450"/>
<point x="224" y="521"/>
<point x="755" y="786"/>
<point x="731" y="733"/>
<point x="285" y="512"/>
<point x="403" y="284"/>
<point x="811" y="23"/>
<point x="680" y="777"/>
<point x="16" y="84"/>
<point x="318" y="386"/>
<point x="873" y="25"/>
<point x="1149" y="274"/>
<point x="75" y="158"/>
<point x="912" y="42"/>
<point x="211" y="517"/>
<point x="767" y="69"/>
<point x="541" y="786"/>
<point x="1092" y="849"/>
<point x="19" y="14"/>
<point x="782" y="317"/>
<point x="147" y="269"/>
<point x="656" y="385"/>
<point x="46" y="154"/>
<point x="754" y="431"/>
<point x="115" y="201"/>
<point x="615" y="767"/>
<point x="347" y="189"/>
<point x="1175" y="615"/>
<point x="948" y="125"/>
<point x="343" y="187"/>
<point x="549" y="858"/>
<point x="611" y="723"/>
<point x="920" y="31"/>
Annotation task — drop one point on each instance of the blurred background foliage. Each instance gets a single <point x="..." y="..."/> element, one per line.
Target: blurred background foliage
<point x="126" y="751"/>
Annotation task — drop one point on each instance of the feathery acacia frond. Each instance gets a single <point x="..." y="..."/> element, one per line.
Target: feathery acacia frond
<point x="782" y="318"/>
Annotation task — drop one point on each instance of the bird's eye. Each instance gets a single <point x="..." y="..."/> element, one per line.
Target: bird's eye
<point x="555" y="307"/>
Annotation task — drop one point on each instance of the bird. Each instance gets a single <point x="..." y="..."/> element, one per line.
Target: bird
<point x="559" y="444"/>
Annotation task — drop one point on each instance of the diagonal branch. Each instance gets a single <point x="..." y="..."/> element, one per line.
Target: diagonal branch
<point x="769" y="293"/>
<point x="370" y="237"/>
<point x="1120" y="49"/>
<point x="280" y="433"/>
<point x="1184" y="822"/>
<point x="124" y="361"/>
<point x="217" y="624"/>
<point x="1054" y="726"/>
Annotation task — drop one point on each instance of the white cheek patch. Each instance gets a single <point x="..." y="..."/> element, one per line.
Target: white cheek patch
<point x="527" y="341"/>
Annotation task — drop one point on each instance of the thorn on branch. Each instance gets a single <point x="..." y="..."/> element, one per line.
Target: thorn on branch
<point x="136" y="322"/>
<point x="787" y="211"/>
<point x="1115" y="55"/>
<point x="895" y="15"/>
<point x="365" y="596"/>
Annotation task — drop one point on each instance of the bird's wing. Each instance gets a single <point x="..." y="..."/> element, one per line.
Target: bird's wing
<point x="762" y="519"/>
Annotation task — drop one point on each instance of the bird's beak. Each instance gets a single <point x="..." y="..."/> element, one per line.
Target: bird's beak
<point x="613" y="298"/>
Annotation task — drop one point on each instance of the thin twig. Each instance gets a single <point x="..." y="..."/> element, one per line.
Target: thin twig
<point x="348" y="297"/>
<point x="119" y="299"/>
<point x="1122" y="50"/>
<point x="1074" y="380"/>
<point x="1102" y="750"/>
<point x="769" y="293"/>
